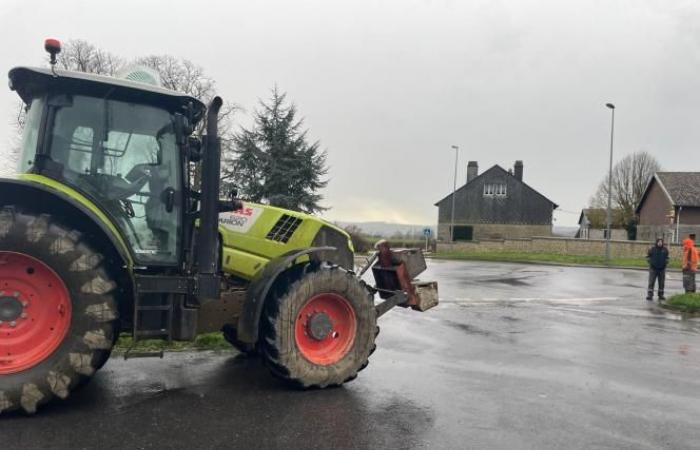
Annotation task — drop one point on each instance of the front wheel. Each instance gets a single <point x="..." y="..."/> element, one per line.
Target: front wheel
<point x="320" y="331"/>
<point x="58" y="313"/>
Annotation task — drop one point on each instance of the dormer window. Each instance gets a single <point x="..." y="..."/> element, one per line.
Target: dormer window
<point x="495" y="189"/>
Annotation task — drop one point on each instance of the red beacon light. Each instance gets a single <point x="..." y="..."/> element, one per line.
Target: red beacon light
<point x="53" y="46"/>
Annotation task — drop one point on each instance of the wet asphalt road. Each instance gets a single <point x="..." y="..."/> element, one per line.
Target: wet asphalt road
<point x="516" y="356"/>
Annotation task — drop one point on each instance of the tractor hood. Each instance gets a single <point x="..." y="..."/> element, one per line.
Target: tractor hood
<point x="255" y="234"/>
<point x="31" y="81"/>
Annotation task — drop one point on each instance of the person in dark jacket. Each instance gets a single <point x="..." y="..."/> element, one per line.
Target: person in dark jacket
<point x="657" y="256"/>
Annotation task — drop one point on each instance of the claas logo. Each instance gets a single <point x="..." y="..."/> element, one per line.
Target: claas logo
<point x="244" y="212"/>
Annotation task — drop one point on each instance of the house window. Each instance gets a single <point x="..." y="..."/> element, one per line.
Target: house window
<point x="462" y="233"/>
<point x="495" y="189"/>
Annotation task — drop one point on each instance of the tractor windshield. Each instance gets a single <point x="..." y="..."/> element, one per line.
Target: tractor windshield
<point x="124" y="156"/>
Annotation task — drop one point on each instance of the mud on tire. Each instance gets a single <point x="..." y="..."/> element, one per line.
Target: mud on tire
<point x="279" y="345"/>
<point x="93" y="319"/>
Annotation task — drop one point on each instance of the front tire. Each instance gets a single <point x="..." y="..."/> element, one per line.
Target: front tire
<point x="320" y="331"/>
<point x="60" y="312"/>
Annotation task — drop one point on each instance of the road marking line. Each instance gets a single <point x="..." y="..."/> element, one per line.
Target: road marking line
<point x="528" y="299"/>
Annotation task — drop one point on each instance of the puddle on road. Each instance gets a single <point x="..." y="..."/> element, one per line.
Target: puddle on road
<point x="469" y="329"/>
<point x="513" y="281"/>
<point x="613" y="306"/>
<point x="476" y="331"/>
<point x="403" y="423"/>
<point x="510" y="319"/>
<point x="687" y="326"/>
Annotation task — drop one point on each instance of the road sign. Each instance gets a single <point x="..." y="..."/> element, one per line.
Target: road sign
<point x="427" y="232"/>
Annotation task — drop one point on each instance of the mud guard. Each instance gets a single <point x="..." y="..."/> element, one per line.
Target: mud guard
<point x="249" y="321"/>
<point x="51" y="201"/>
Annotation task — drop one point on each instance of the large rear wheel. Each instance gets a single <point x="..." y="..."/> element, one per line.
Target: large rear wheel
<point x="320" y="331"/>
<point x="57" y="310"/>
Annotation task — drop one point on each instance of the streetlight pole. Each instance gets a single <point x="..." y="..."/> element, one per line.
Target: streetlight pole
<point x="609" y="215"/>
<point x="454" y="194"/>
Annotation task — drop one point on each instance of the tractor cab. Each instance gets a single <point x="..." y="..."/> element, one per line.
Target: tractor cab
<point x="117" y="143"/>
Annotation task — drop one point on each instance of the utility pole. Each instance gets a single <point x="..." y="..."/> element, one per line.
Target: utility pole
<point x="609" y="214"/>
<point x="454" y="194"/>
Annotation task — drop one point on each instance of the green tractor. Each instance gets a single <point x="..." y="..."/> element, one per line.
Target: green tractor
<point x="103" y="233"/>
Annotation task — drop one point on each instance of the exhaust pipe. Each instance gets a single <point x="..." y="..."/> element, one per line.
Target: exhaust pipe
<point x="207" y="236"/>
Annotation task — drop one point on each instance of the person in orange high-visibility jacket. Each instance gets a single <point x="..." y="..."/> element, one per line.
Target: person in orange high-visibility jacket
<point x="689" y="264"/>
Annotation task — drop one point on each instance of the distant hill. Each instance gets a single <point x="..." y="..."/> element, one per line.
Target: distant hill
<point x="387" y="229"/>
<point x="564" y="231"/>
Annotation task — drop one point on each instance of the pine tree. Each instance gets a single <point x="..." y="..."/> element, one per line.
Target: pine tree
<point x="274" y="163"/>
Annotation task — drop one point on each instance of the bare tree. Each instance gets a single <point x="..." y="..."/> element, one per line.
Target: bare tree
<point x="180" y="75"/>
<point x="359" y="239"/>
<point x="630" y="177"/>
<point x="82" y="56"/>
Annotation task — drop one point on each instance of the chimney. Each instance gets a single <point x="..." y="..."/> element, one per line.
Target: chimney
<point x="518" y="170"/>
<point x="472" y="170"/>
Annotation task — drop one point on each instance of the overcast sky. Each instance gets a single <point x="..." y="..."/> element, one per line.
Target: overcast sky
<point x="388" y="87"/>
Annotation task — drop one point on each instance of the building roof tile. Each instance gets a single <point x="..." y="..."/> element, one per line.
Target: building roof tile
<point x="492" y="168"/>
<point x="682" y="187"/>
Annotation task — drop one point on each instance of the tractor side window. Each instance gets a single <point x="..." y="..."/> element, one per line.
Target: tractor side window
<point x="79" y="150"/>
<point x="30" y="135"/>
<point x="125" y="157"/>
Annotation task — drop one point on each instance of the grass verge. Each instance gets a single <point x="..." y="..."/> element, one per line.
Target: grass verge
<point x="547" y="258"/>
<point x="689" y="303"/>
<point x="206" y="341"/>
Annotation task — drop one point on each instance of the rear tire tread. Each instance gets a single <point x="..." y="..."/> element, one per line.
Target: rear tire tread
<point x="94" y="321"/>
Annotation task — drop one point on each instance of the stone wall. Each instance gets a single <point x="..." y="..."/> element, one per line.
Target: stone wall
<point x="651" y="232"/>
<point x="497" y="231"/>
<point x="616" y="234"/>
<point x="569" y="246"/>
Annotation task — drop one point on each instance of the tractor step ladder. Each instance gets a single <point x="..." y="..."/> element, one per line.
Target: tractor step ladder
<point x="145" y="285"/>
<point x="139" y="332"/>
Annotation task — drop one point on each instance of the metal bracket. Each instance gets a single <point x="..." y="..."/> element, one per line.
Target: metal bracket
<point x="368" y="263"/>
<point x="396" y="299"/>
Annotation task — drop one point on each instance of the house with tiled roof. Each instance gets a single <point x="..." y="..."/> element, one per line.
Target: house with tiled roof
<point x="670" y="207"/>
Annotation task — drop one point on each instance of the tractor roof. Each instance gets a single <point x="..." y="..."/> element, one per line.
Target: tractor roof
<point x="29" y="81"/>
